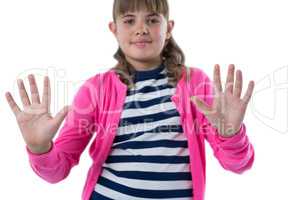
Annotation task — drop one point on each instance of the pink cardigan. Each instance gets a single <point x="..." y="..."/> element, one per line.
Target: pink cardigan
<point x="97" y="108"/>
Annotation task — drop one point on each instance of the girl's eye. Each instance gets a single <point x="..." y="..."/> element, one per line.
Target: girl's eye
<point x="129" y="21"/>
<point x="153" y="21"/>
<point x="149" y="21"/>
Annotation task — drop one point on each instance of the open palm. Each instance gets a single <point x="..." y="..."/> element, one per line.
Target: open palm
<point x="37" y="125"/>
<point x="228" y="108"/>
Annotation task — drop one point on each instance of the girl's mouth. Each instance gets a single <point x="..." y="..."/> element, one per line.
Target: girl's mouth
<point x="141" y="44"/>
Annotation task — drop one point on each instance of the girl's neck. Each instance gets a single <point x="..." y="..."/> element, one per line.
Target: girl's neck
<point x="144" y="65"/>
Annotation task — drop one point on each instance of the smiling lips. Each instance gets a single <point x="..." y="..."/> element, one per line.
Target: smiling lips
<point x="141" y="43"/>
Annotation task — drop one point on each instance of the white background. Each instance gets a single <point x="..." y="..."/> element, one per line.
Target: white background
<point x="70" y="41"/>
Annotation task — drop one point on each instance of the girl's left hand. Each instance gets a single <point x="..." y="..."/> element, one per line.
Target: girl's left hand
<point x="228" y="108"/>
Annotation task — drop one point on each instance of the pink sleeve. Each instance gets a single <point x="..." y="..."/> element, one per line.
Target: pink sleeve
<point x="234" y="153"/>
<point x="73" y="137"/>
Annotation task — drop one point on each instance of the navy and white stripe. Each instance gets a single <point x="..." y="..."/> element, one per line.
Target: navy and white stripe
<point x="149" y="157"/>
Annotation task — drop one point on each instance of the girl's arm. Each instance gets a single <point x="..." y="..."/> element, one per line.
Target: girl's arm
<point x="221" y="118"/>
<point x="234" y="153"/>
<point x="55" y="165"/>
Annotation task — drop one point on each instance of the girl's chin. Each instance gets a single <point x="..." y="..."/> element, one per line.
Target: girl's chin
<point x="142" y="58"/>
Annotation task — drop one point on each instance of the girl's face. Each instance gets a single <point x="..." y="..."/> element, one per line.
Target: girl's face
<point x="141" y="36"/>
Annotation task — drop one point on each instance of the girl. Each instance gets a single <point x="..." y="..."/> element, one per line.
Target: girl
<point x="151" y="115"/>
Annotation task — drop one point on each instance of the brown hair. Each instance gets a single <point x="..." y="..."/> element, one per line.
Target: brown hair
<point x="172" y="56"/>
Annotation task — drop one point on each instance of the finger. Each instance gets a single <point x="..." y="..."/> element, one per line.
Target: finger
<point x="230" y="79"/>
<point x="60" y="116"/>
<point x="249" y="92"/>
<point x="12" y="104"/>
<point x="46" y="99"/>
<point x="23" y="94"/>
<point x="238" y="84"/>
<point x="201" y="105"/>
<point x="217" y="79"/>
<point x="35" y="97"/>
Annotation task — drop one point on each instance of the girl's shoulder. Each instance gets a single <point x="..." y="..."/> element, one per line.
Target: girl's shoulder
<point x="101" y="77"/>
<point x="102" y="81"/>
<point x="196" y="75"/>
<point x="93" y="82"/>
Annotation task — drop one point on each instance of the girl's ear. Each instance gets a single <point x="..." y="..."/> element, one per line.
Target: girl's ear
<point x="170" y="28"/>
<point x="112" y="27"/>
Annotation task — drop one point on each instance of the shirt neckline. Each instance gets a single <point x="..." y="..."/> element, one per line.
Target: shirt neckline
<point x="145" y="74"/>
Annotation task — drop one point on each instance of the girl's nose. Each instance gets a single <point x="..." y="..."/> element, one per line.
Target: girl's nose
<point x="142" y="29"/>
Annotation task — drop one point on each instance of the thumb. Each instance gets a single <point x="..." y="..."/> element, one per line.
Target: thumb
<point x="201" y="105"/>
<point x="60" y="116"/>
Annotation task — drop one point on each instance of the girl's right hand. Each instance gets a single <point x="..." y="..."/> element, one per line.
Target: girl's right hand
<point x="37" y="125"/>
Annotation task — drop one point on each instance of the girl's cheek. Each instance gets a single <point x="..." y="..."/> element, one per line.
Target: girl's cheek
<point x="161" y="35"/>
<point x="158" y="33"/>
<point x="123" y="33"/>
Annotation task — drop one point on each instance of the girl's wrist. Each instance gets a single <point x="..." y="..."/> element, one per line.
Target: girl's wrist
<point x="40" y="149"/>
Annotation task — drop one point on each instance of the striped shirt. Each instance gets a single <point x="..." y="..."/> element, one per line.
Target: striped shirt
<point x="149" y="158"/>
